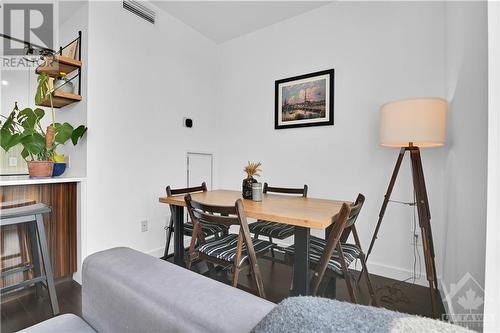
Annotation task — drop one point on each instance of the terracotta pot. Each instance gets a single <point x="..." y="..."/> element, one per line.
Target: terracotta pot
<point x="40" y="168"/>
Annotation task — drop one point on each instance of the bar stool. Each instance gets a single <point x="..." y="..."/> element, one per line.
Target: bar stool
<point x="32" y="215"/>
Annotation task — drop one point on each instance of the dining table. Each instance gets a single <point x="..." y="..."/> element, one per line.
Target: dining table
<point x="303" y="213"/>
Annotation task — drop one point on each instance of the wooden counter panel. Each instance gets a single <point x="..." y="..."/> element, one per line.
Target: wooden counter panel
<point x="60" y="225"/>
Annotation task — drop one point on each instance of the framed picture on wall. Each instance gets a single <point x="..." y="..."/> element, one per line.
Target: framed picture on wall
<point x="71" y="51"/>
<point x="305" y="100"/>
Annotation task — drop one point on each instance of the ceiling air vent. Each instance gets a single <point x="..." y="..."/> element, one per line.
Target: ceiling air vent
<point x="140" y="10"/>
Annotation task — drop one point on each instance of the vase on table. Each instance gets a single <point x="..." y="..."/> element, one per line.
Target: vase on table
<point x="247" y="187"/>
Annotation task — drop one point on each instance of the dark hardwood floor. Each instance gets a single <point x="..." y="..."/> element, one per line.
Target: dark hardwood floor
<point x="24" y="308"/>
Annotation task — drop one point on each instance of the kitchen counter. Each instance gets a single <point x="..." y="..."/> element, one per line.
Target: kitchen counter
<point x="26" y="180"/>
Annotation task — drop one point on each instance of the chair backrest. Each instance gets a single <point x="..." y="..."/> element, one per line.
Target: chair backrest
<point x="199" y="212"/>
<point x="225" y="215"/>
<point x="343" y="222"/>
<point x="339" y="225"/>
<point x="285" y="190"/>
<point x="178" y="191"/>
<point x="355" y="210"/>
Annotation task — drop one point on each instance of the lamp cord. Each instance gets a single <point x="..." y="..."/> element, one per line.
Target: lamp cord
<point x="416" y="253"/>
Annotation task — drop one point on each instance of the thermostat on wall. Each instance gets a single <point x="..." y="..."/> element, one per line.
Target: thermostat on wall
<point x="188" y="122"/>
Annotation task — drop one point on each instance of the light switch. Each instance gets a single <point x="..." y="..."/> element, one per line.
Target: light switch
<point x="12" y="161"/>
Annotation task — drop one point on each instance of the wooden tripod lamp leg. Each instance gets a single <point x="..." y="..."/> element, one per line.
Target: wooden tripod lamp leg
<point x="424" y="219"/>
<point x="387" y="197"/>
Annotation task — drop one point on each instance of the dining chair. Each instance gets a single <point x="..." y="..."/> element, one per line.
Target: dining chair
<point x="215" y="231"/>
<point x="273" y="229"/>
<point x="235" y="251"/>
<point x="332" y="257"/>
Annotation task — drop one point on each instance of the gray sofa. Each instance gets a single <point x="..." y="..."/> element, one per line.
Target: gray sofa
<point x="128" y="291"/>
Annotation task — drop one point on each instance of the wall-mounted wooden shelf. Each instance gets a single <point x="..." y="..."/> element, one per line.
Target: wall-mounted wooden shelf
<point x="61" y="99"/>
<point x="59" y="64"/>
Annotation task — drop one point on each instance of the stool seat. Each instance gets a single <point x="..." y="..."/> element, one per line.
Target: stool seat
<point x="23" y="211"/>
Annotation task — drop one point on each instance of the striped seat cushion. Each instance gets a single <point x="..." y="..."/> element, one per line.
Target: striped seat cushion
<point x="271" y="229"/>
<point x="317" y="247"/>
<point x="208" y="229"/>
<point x="225" y="248"/>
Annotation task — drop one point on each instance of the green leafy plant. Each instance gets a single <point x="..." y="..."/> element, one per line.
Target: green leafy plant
<point x="23" y="127"/>
<point x="42" y="91"/>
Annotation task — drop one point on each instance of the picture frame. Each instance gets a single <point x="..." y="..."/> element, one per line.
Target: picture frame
<point x="305" y="100"/>
<point x="71" y="51"/>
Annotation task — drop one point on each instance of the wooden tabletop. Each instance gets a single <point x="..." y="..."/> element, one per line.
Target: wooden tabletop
<point x="304" y="212"/>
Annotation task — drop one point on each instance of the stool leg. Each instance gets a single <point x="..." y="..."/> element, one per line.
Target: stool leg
<point x="35" y="255"/>
<point x="46" y="264"/>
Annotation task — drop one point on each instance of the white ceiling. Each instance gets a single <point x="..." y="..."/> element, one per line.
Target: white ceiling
<point x="224" y="20"/>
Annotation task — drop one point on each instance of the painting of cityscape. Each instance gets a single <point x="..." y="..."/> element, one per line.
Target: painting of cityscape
<point x="305" y="100"/>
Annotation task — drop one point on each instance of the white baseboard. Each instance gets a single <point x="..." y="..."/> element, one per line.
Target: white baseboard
<point x="158" y="253"/>
<point x="442" y="294"/>
<point x="396" y="273"/>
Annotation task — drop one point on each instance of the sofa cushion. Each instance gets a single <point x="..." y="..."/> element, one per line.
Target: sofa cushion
<point x="61" y="324"/>
<point x="315" y="314"/>
<point x="128" y="291"/>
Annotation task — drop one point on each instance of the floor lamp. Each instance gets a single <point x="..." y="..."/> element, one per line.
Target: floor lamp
<point x="412" y="124"/>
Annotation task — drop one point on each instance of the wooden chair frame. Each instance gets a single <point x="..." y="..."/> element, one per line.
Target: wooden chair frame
<point x="228" y="216"/>
<point x="170" y="228"/>
<point x="285" y="190"/>
<point x="343" y="222"/>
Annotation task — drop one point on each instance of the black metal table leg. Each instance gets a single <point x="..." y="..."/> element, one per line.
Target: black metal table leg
<point x="178" y="212"/>
<point x="301" y="262"/>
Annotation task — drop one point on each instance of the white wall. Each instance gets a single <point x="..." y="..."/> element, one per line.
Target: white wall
<point x="380" y="52"/>
<point x="467" y="145"/>
<point x="145" y="79"/>
<point x="492" y="269"/>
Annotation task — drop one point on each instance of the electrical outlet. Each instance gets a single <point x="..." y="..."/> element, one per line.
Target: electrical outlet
<point x="12" y="161"/>
<point x="144" y="226"/>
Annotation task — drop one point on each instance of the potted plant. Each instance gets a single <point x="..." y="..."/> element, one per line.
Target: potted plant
<point x="24" y="127"/>
<point x="252" y="169"/>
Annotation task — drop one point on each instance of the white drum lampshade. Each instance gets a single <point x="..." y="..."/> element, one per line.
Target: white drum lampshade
<point x="420" y="122"/>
